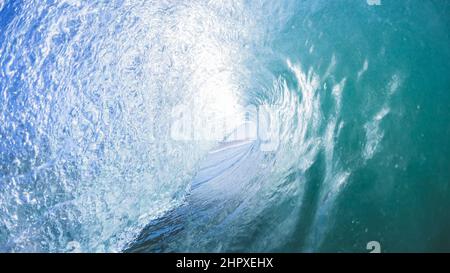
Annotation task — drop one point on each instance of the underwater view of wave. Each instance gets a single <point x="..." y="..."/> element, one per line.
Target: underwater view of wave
<point x="224" y="126"/>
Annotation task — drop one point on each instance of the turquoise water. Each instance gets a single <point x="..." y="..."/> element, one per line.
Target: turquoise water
<point x="92" y="157"/>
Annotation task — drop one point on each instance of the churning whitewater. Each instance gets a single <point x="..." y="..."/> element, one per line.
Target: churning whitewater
<point x="224" y="126"/>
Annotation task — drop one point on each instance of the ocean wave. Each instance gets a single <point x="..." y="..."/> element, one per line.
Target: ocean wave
<point x="207" y="125"/>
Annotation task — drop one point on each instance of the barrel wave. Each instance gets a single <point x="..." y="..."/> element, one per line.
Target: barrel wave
<point x="224" y="126"/>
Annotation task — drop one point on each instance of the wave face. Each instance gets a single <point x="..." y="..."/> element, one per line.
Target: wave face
<point x="356" y="92"/>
